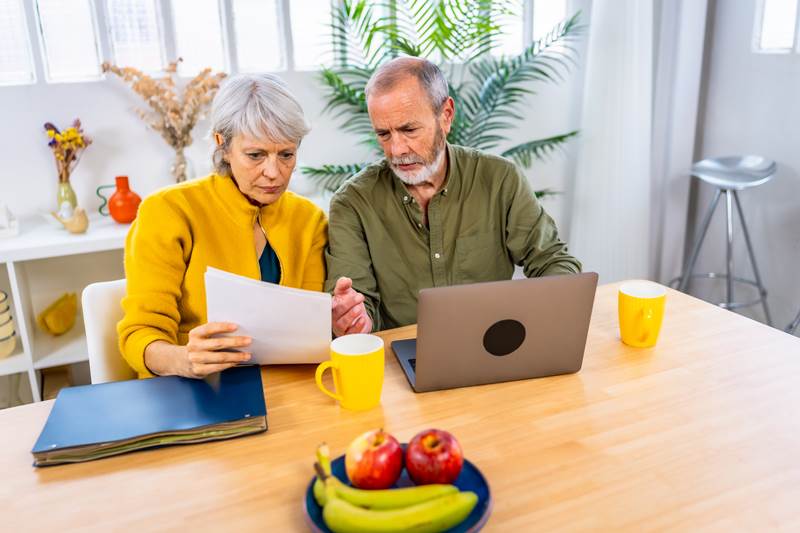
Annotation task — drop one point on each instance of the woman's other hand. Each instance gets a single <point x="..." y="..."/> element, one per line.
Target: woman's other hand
<point x="204" y="354"/>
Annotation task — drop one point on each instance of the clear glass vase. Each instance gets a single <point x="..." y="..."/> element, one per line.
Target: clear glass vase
<point x="67" y="201"/>
<point x="182" y="168"/>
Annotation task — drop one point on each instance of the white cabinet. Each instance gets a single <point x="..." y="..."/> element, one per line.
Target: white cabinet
<point x="40" y="264"/>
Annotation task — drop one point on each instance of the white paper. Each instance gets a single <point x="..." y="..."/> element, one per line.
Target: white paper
<point x="287" y="325"/>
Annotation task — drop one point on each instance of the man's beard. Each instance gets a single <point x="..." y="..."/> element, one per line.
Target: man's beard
<point x="430" y="164"/>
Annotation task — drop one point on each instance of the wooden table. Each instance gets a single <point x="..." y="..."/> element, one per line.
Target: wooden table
<point x="701" y="432"/>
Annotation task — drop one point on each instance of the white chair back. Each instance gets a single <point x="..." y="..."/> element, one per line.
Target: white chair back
<point x="101" y="312"/>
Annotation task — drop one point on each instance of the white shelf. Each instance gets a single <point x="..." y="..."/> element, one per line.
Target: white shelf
<point x="39" y="238"/>
<point x="14" y="363"/>
<point x="65" y="349"/>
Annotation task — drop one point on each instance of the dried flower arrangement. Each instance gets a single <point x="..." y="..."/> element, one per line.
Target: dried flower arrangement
<point x="171" y="115"/>
<point x="67" y="147"/>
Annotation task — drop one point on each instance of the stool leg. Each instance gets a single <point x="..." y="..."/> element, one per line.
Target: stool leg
<point x="762" y="290"/>
<point x="689" y="268"/>
<point x="729" y="246"/>
<point x="794" y="324"/>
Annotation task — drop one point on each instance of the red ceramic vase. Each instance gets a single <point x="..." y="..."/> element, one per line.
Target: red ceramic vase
<point x="124" y="203"/>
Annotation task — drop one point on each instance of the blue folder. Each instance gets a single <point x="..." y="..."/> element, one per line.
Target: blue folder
<point x="94" y="421"/>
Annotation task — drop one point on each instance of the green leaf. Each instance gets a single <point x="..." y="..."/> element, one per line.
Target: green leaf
<point x="489" y="92"/>
<point x="524" y="154"/>
<point x="331" y="177"/>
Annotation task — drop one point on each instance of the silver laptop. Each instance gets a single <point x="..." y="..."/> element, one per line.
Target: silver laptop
<point x="498" y="331"/>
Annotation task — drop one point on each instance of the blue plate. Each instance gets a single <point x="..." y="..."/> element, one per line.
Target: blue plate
<point x="470" y="478"/>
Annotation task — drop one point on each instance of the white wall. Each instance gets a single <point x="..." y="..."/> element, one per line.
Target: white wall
<point x="752" y="105"/>
<point x="123" y="145"/>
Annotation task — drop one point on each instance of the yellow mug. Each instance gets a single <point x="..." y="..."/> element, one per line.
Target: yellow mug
<point x="357" y="365"/>
<point x="641" y="311"/>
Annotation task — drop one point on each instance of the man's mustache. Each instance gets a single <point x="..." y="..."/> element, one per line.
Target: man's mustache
<point x="407" y="160"/>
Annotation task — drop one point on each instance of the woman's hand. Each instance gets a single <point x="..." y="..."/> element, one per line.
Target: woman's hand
<point x="204" y="354"/>
<point x="207" y="355"/>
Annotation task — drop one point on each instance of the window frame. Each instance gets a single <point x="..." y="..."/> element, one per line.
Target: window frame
<point x="758" y="27"/>
<point x="37" y="51"/>
<point x="106" y="41"/>
<point x="29" y="49"/>
<point x="44" y="65"/>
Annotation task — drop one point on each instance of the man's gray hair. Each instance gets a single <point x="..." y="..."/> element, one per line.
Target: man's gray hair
<point x="259" y="106"/>
<point x="430" y="77"/>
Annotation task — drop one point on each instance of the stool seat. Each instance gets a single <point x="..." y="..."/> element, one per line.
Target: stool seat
<point x="735" y="172"/>
<point x="728" y="176"/>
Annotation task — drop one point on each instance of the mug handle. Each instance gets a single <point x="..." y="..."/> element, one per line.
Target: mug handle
<point x="323" y="366"/>
<point x="105" y="200"/>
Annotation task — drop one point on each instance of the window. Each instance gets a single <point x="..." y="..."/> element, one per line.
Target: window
<point x="69" y="40"/>
<point x="134" y="32"/>
<point x="546" y="14"/>
<point x="199" y="37"/>
<point x="311" y="34"/>
<point x="224" y="35"/>
<point x="530" y="21"/>
<point x="513" y="38"/>
<point x="16" y="64"/>
<point x="257" y="35"/>
<point x="776" y="26"/>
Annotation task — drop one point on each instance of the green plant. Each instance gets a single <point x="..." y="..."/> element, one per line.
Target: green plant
<point x="458" y="35"/>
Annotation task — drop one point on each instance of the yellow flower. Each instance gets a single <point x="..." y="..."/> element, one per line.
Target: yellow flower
<point x="51" y="133"/>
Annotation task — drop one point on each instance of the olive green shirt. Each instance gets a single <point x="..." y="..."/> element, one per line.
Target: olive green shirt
<point x="484" y="220"/>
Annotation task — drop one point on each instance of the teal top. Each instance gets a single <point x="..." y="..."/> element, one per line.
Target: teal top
<point x="270" y="267"/>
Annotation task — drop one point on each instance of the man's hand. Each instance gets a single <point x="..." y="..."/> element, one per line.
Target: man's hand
<point x="349" y="315"/>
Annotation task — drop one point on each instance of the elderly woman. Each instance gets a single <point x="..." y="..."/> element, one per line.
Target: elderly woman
<point x="240" y="219"/>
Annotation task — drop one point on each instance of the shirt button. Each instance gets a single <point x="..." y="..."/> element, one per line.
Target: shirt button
<point x="419" y="226"/>
<point x="405" y="198"/>
<point x="437" y="256"/>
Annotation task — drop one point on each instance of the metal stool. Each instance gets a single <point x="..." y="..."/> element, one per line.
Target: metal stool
<point x="793" y="326"/>
<point x="730" y="175"/>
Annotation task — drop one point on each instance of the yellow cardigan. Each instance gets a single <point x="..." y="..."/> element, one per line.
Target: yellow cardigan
<point x="181" y="230"/>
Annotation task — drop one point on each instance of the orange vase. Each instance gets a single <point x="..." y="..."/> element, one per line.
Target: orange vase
<point x="124" y="203"/>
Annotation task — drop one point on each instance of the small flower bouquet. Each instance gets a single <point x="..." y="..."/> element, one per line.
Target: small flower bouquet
<point x="172" y="115"/>
<point x="67" y="147"/>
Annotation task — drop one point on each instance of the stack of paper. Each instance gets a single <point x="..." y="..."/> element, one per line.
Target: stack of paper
<point x="287" y="325"/>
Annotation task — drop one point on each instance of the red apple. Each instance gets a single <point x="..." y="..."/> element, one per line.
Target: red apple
<point x="374" y="460"/>
<point x="434" y="456"/>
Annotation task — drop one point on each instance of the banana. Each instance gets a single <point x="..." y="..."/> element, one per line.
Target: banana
<point x="382" y="499"/>
<point x="438" y="514"/>
<point x="371" y="499"/>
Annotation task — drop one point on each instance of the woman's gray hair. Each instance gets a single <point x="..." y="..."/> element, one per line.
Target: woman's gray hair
<point x="259" y="106"/>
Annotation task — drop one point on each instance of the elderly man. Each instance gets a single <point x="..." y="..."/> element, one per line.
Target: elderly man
<point x="430" y="213"/>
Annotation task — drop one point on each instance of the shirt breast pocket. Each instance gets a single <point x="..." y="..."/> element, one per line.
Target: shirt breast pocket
<point x="481" y="257"/>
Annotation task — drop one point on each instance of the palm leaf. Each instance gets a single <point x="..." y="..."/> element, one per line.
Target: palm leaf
<point x="489" y="93"/>
<point x="331" y="177"/>
<point x="524" y="154"/>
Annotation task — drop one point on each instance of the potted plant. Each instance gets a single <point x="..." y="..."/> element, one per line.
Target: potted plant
<point x="458" y="35"/>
